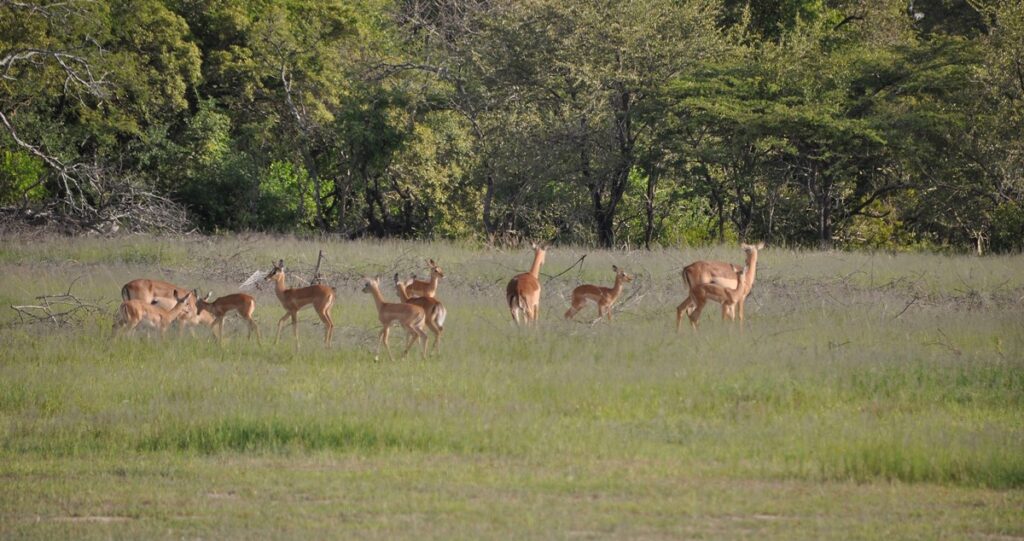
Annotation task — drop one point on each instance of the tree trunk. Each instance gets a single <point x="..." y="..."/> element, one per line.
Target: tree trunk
<point x="489" y="228"/>
<point x="652" y="184"/>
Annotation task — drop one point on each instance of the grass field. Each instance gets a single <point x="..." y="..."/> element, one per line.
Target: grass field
<point x="869" y="396"/>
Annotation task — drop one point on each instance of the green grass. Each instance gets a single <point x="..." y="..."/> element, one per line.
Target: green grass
<point x="869" y="396"/>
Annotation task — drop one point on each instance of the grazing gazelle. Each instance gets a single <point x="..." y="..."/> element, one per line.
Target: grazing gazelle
<point x="410" y="316"/>
<point x="134" y="312"/>
<point x="701" y="293"/>
<point x="294" y="299"/>
<point x="703" y="272"/>
<point x="523" y="291"/>
<point x="161" y="294"/>
<point x="425" y="288"/>
<point x="605" y="297"/>
<point x="241" y="303"/>
<point x="432" y="307"/>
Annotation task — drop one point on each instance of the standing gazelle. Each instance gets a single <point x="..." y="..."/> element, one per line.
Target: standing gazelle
<point x="425" y="288"/>
<point x="410" y="316"/>
<point x="134" y="312"/>
<point x="719" y="272"/>
<point x="294" y="299"/>
<point x="432" y="307"/>
<point x="241" y="303"/>
<point x="701" y="293"/>
<point x="523" y="291"/>
<point x="605" y="297"/>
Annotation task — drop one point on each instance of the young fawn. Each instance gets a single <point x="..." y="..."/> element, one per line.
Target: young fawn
<point x="135" y="312"/>
<point x="425" y="288"/>
<point x="410" y="316"/>
<point x="701" y="293"/>
<point x="244" y="305"/>
<point x="435" y="311"/>
<point x="702" y="272"/>
<point x="605" y="297"/>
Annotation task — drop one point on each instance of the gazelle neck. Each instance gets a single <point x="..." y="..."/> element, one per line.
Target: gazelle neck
<point x="400" y="288"/>
<point x="538" y="258"/>
<point x="741" y="281"/>
<point x="279" y="286"/>
<point x="617" y="287"/>
<point x="378" y="299"/>
<point x="751" y="270"/>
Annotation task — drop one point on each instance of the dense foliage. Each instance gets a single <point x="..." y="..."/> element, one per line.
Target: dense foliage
<point x="808" y="122"/>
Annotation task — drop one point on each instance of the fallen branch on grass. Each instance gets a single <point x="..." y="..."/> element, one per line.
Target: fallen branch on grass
<point x="62" y="309"/>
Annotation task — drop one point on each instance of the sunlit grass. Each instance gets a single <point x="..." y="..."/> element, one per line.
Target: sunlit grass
<point x="864" y="368"/>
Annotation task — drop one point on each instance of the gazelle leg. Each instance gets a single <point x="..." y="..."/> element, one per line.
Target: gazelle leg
<point x="325" y="317"/>
<point x="695" y="315"/>
<point x="280" y="325"/>
<point x="384" y="339"/>
<point x="437" y="333"/>
<point x="425" y="339"/>
<point x="254" y="328"/>
<point x="679" y="312"/>
<point x="574" y="309"/>
<point x="295" y="328"/>
<point x="220" y="329"/>
<point x="413" y="335"/>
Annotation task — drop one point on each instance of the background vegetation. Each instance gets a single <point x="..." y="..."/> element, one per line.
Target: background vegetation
<point x="854" y="123"/>
<point x="870" y="396"/>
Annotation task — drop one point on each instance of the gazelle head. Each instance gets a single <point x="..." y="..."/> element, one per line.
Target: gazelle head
<point x="752" y="248"/>
<point x="202" y="303"/>
<point x="370" y="284"/>
<point x="278" y="269"/>
<point x="539" y="251"/>
<point x="620" y="274"/>
<point x="188" y="300"/>
<point x="434" y="269"/>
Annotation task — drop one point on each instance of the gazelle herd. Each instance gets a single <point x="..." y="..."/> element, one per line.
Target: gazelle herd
<point x="158" y="304"/>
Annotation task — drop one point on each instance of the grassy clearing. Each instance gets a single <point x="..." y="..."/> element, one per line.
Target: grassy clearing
<point x="869" y="396"/>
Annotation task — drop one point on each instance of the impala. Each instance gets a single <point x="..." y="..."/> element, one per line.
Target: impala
<point x="134" y="312"/>
<point x="523" y="291"/>
<point x="605" y="297"/>
<point x="240" y="303"/>
<point x="432" y="307"/>
<point x="701" y="293"/>
<point x="160" y="293"/>
<point x="703" y="272"/>
<point x="425" y="288"/>
<point x="294" y="299"/>
<point x="410" y="316"/>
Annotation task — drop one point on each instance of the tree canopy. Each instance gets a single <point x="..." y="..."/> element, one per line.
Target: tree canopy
<point x="831" y="123"/>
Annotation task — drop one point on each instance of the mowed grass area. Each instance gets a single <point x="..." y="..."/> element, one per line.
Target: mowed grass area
<point x="869" y="396"/>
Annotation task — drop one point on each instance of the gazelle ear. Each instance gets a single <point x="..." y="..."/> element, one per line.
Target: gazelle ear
<point x="615" y="269"/>
<point x="209" y="295"/>
<point x="280" y="264"/>
<point x="431" y="263"/>
<point x="396" y="277"/>
<point x="760" y="245"/>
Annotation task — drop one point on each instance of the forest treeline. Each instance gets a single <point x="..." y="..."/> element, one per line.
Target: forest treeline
<point x="847" y="123"/>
